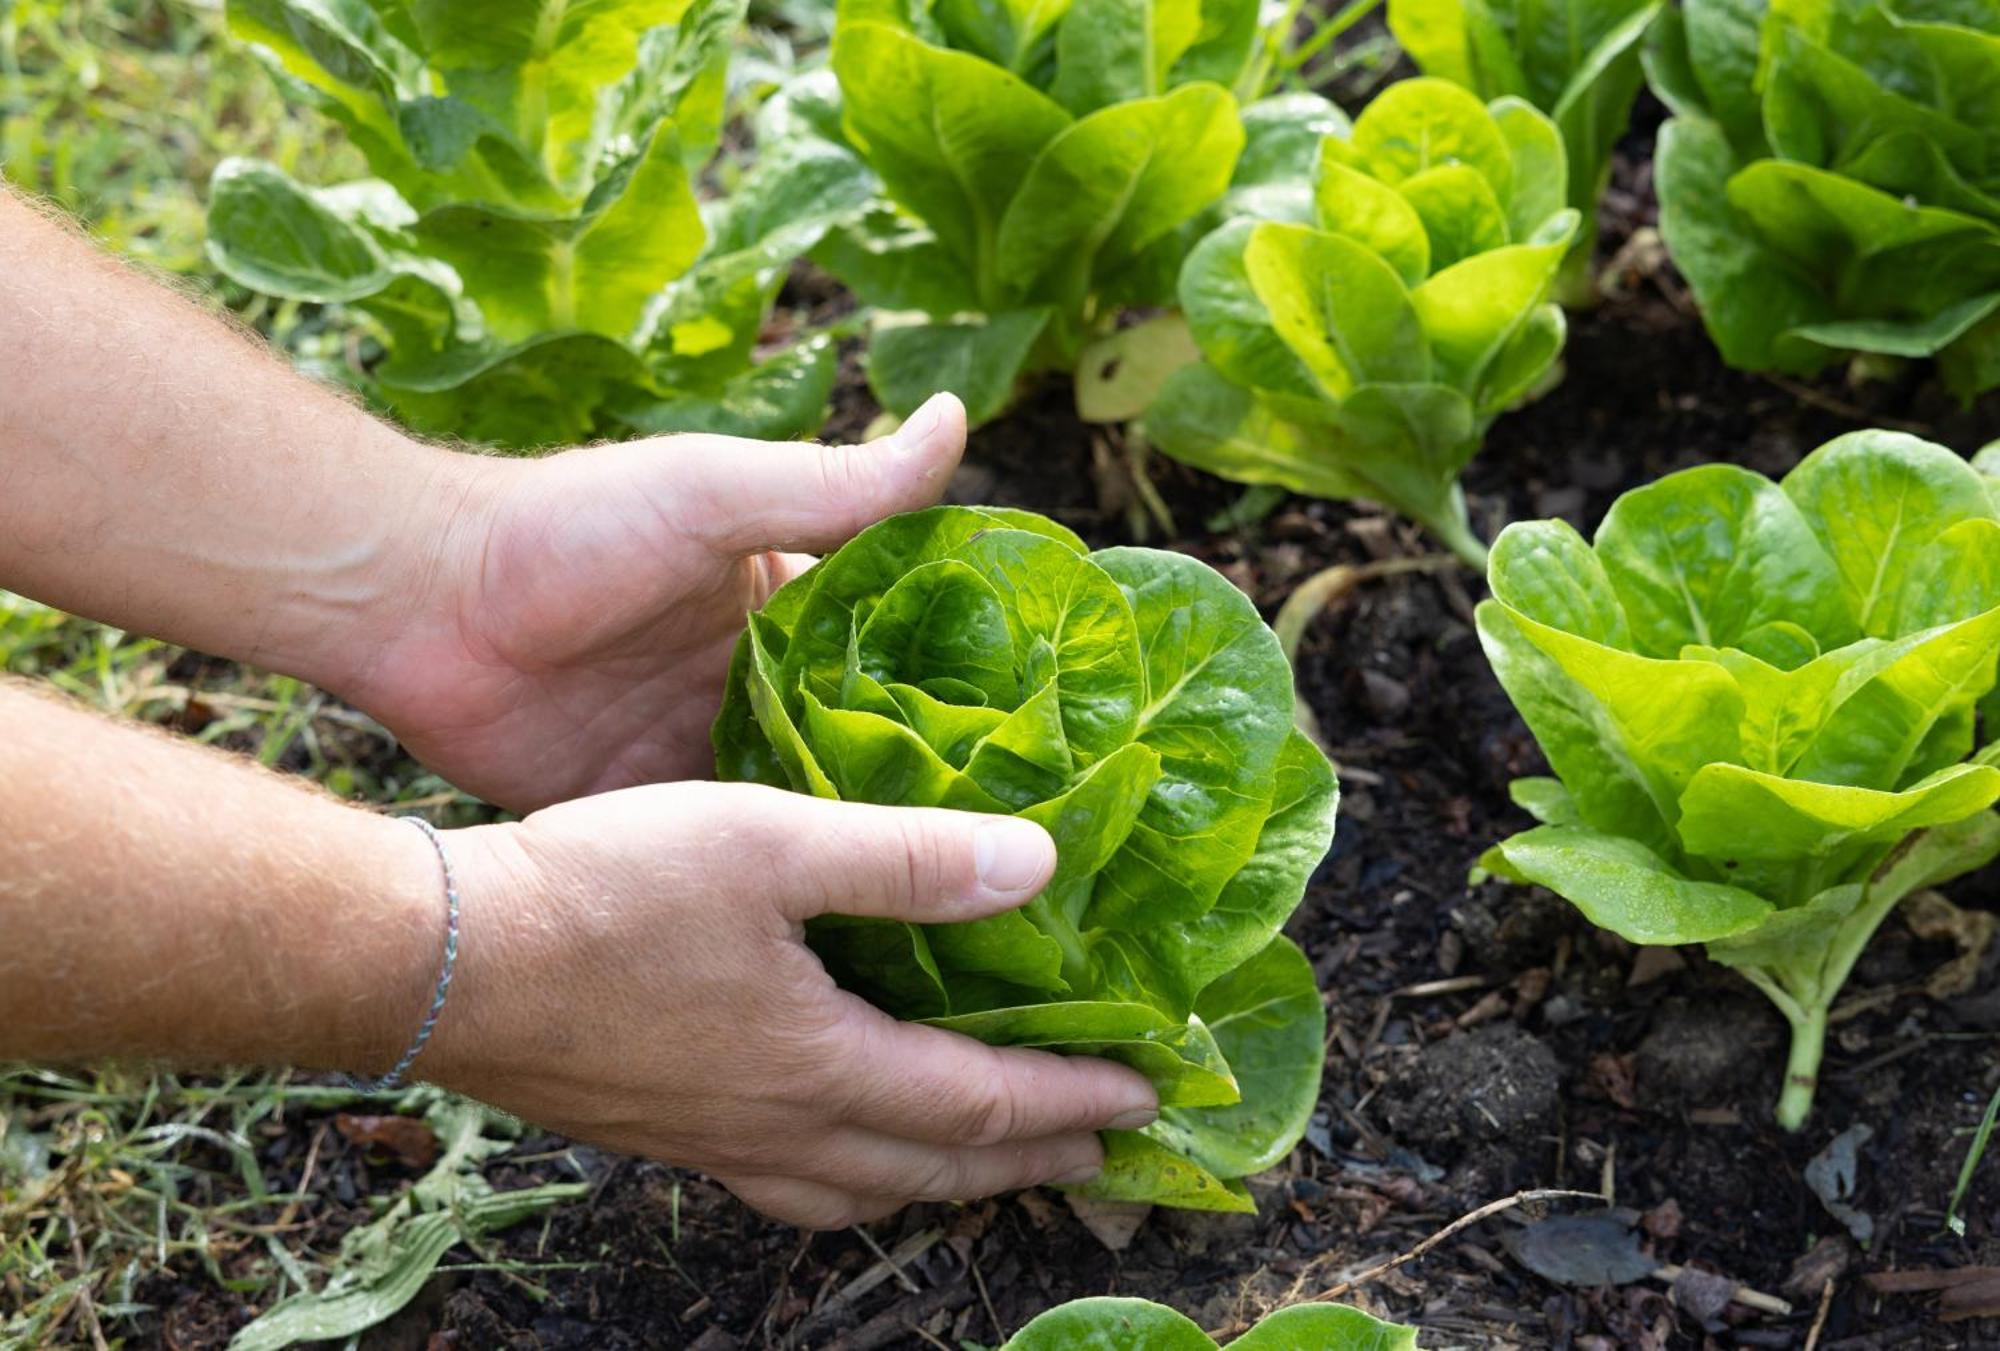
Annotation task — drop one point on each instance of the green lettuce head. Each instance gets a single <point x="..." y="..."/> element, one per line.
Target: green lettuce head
<point x="1760" y="703"/>
<point x="1134" y="704"/>
<point x="1364" y="351"/>
<point x="1830" y="185"/>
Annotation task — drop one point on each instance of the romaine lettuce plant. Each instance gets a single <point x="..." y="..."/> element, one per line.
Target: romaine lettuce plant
<point x="1759" y="701"/>
<point x="1576" y="60"/>
<point x="1365" y="354"/>
<point x="1133" y="703"/>
<point x="1037" y="159"/>
<point x="531" y="252"/>
<point x="1831" y="185"/>
<point x="1113" y="1324"/>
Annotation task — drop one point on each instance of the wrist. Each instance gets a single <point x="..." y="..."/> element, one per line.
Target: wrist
<point x="480" y="1030"/>
<point x="407" y="568"/>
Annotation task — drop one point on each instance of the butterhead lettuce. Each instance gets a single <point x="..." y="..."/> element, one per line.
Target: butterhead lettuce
<point x="1759" y="700"/>
<point x="1133" y="703"/>
<point x="1363" y="353"/>
<point x="1830" y="184"/>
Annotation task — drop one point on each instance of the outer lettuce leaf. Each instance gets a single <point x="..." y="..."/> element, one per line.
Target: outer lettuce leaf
<point x="1110" y="1324"/>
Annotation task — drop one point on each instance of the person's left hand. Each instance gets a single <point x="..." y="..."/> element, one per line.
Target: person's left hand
<point x="572" y="631"/>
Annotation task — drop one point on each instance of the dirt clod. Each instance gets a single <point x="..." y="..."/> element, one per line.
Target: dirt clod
<point x="1495" y="1083"/>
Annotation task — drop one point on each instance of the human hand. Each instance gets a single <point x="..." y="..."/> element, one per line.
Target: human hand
<point x="634" y="974"/>
<point x="569" y="631"/>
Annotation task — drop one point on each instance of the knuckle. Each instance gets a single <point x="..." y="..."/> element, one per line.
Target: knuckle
<point x="990" y="1115"/>
<point x="844" y="475"/>
<point x="924" y="848"/>
<point x="942" y="1177"/>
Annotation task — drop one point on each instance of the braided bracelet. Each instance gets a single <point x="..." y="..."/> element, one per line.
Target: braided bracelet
<point x="394" y="1078"/>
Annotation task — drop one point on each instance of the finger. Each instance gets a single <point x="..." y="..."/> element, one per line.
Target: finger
<point x="810" y="1205"/>
<point x="787" y="567"/>
<point x="867" y="1163"/>
<point x="737" y="495"/>
<point x="771" y="570"/>
<point x="922" y="1083"/>
<point x="922" y="864"/>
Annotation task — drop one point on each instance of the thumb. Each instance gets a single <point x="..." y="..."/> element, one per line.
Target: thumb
<point x="739" y="496"/>
<point x="926" y="865"/>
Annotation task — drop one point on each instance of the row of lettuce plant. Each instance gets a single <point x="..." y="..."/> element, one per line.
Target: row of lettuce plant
<point x="1356" y="302"/>
<point x="999" y="184"/>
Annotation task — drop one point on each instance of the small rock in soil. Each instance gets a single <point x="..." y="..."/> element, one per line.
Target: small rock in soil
<point x="1827" y="1260"/>
<point x="1496" y="1083"/>
<point x="1651" y="964"/>
<point x="1702" y="1053"/>
<point x="1703" y="1293"/>
<point x="1387" y="697"/>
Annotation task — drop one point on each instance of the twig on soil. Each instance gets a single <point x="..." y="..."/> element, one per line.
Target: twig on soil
<point x="1430" y="989"/>
<point x="1819" y="1319"/>
<point x="1841" y="408"/>
<point x="891" y="1264"/>
<point x="892" y="1324"/>
<point x="1867" y="1001"/>
<point x="1743" y="1294"/>
<point x="895" y="1267"/>
<point x="1463" y="1222"/>
<point x="304" y="1189"/>
<point x="979" y="1280"/>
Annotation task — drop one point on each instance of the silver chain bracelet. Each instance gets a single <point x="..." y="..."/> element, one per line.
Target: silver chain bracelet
<point x="394" y="1078"/>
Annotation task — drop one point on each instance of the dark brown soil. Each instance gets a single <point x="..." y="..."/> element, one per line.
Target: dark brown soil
<point x="1554" y="1056"/>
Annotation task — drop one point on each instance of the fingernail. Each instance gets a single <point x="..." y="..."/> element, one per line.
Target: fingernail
<point x="1137" y="1119"/>
<point x="919" y="426"/>
<point x="1011" y="857"/>
<point x="1077" y="1175"/>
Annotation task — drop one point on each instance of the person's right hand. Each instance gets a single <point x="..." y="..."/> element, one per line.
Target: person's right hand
<point x="634" y="974"/>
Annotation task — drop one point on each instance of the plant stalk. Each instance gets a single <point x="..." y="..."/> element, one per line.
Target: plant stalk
<point x="1802" y="1065"/>
<point x="1454" y="531"/>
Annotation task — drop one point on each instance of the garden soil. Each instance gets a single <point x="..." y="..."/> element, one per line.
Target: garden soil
<point x="1484" y="1040"/>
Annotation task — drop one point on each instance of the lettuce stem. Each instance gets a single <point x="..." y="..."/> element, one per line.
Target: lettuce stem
<point x="1802" y="1065"/>
<point x="1454" y="531"/>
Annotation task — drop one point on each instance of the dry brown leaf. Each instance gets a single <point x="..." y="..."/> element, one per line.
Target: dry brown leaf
<point x="1112" y="1223"/>
<point x="1935" y="920"/>
<point x="409" y="1141"/>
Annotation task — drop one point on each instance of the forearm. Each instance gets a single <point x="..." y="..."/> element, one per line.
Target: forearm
<point x="163" y="901"/>
<point x="161" y="472"/>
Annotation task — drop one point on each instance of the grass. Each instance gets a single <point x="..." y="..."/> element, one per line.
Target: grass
<point x="118" y="110"/>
